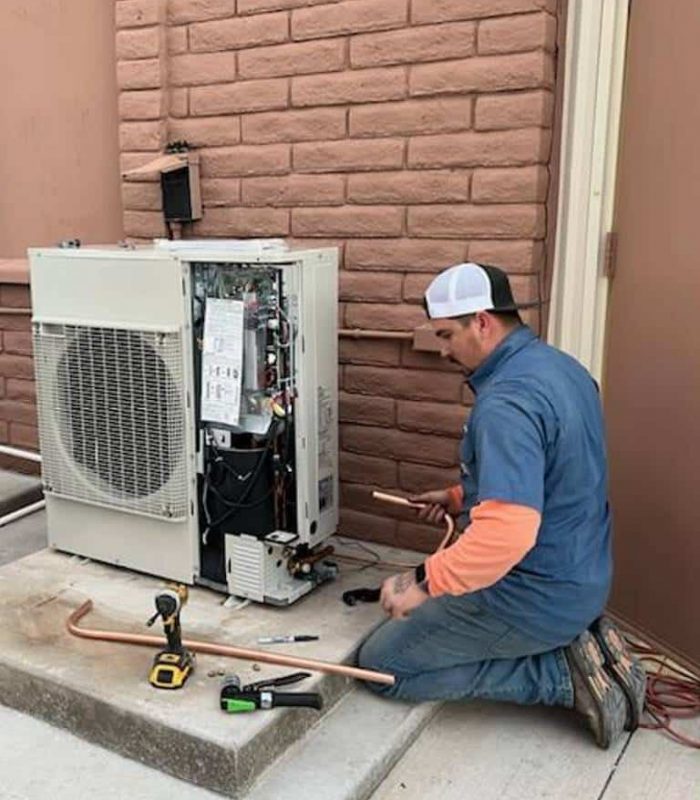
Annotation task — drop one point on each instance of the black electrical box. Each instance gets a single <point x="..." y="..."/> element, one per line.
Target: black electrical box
<point x="180" y="197"/>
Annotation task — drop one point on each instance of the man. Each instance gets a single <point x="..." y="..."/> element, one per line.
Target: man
<point x="511" y="610"/>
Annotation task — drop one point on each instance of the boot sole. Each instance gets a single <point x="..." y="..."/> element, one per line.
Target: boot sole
<point x="588" y="661"/>
<point x="627" y="672"/>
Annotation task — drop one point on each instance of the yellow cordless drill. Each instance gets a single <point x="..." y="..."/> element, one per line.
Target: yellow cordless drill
<point x="171" y="667"/>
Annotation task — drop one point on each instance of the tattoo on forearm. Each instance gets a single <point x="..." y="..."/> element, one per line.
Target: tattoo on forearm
<point x="403" y="582"/>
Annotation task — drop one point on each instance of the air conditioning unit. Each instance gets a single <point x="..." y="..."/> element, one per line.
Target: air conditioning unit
<point x="187" y="399"/>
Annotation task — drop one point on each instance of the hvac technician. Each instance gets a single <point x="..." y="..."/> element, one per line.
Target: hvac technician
<point x="511" y="610"/>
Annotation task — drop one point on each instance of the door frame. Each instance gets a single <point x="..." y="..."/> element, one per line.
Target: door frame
<point x="595" y="45"/>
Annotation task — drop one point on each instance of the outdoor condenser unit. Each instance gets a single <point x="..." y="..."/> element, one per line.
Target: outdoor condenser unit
<point x="187" y="398"/>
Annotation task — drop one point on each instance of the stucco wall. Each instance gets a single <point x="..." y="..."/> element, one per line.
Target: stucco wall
<point x="59" y="169"/>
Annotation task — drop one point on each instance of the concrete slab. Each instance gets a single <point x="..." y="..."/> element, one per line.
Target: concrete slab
<point x="18" y="490"/>
<point x="348" y="754"/>
<point x="102" y="774"/>
<point x="100" y="691"/>
<point x="655" y="766"/>
<point x="22" y="537"/>
<point x="495" y="751"/>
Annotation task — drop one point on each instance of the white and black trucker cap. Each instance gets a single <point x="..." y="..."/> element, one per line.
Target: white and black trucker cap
<point x="468" y="288"/>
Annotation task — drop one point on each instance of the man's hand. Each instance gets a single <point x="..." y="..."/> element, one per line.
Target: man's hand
<point x="401" y="594"/>
<point x="436" y="504"/>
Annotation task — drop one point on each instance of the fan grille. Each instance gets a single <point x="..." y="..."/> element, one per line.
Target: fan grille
<point x="111" y="416"/>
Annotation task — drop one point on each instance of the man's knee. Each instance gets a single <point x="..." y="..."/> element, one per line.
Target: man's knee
<point x="372" y="656"/>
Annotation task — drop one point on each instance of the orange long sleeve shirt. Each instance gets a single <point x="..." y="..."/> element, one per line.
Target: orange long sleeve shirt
<point x="499" y="536"/>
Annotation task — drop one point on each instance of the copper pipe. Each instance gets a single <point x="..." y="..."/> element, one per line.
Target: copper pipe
<point x="361" y="333"/>
<point x="223" y="650"/>
<point x="11" y="310"/>
<point x="402" y="501"/>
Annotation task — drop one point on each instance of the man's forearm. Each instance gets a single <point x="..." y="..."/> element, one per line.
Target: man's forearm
<point x="499" y="536"/>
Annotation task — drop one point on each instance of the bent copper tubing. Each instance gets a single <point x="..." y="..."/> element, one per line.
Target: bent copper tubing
<point x="402" y="501"/>
<point x="223" y="650"/>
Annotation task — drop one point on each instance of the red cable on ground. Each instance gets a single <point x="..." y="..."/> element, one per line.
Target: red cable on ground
<point x="671" y="693"/>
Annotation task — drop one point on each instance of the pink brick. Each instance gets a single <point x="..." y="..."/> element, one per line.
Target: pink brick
<point x="141" y="135"/>
<point x="369" y="527"/>
<point x="24" y="436"/>
<point x="484" y="74"/>
<point x="256" y="6"/>
<point x="144" y="224"/>
<point x="516" y="185"/>
<point x="522" y="110"/>
<point x="137" y="13"/>
<point x="368" y="469"/>
<point x="293" y="190"/>
<point x="399" y="445"/>
<point x="417" y="359"/>
<point x="18" y="342"/>
<point x="294" y="126"/>
<point x="350" y="16"/>
<point x="177" y="40"/>
<point x="367" y="410"/>
<point x="246" y="222"/>
<point x="146" y="104"/>
<point x="444" y="418"/>
<point x="198" y="68"/>
<point x="357" y="86"/>
<point x="182" y="11"/>
<point x="361" y="154"/>
<point x="518" y="34"/>
<point x="221" y="191"/>
<point x="423" y="186"/>
<point x="403" y="255"/>
<point x="15" y="296"/>
<point x="298" y="58"/>
<point x="14" y="366"/>
<point x="423" y="11"/>
<point x="22" y="390"/>
<point x="14" y="411"/>
<point x="347" y="221"/>
<point x="141" y="196"/>
<point x="178" y="103"/>
<point x="138" y="43"/>
<point x="407" y="46"/>
<point x="239" y="32"/>
<point x="139" y="74"/>
<point x="15" y="322"/>
<point x="269" y="159"/>
<point x="380" y="352"/>
<point x="499" y="222"/>
<point x="420" y="478"/>
<point x="398" y="317"/>
<point x="412" y="116"/>
<point x="521" y="256"/>
<point x="370" y="287"/>
<point x="237" y="97"/>
<point x="207" y="131"/>
<point x="419" y="537"/>
<point x="501" y="148"/>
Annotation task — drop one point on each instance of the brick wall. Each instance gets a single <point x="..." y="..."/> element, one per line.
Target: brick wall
<point x="18" y="422"/>
<point x="411" y="133"/>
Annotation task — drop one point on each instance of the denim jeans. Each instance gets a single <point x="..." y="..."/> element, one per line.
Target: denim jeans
<point x="452" y="648"/>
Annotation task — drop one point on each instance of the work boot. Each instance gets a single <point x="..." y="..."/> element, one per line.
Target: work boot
<point x="596" y="696"/>
<point x="627" y="671"/>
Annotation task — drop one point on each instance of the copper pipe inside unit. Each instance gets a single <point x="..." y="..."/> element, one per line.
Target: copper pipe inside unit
<point x="223" y="650"/>
<point x="360" y="333"/>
